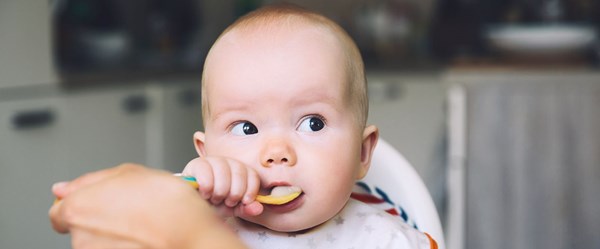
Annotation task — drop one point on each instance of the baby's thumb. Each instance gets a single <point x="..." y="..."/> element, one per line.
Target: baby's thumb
<point x="247" y="210"/>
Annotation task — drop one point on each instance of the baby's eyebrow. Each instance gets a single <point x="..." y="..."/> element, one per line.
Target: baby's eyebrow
<point x="315" y="97"/>
<point x="229" y="108"/>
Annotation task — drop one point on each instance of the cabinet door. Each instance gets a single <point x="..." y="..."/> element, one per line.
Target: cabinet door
<point x="179" y="117"/>
<point x="409" y="113"/>
<point x="55" y="139"/>
<point x="32" y="157"/>
<point x="106" y="128"/>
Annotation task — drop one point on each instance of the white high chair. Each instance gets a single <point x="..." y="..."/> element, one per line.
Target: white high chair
<point x="394" y="178"/>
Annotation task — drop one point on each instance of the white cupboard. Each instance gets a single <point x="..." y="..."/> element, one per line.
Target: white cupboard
<point x="52" y="135"/>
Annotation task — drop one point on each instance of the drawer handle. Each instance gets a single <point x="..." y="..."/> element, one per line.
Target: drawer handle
<point x="33" y="119"/>
<point x="136" y="103"/>
<point x="188" y="97"/>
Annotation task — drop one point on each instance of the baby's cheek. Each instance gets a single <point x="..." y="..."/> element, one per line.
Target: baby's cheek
<point x="331" y="206"/>
<point x="334" y="194"/>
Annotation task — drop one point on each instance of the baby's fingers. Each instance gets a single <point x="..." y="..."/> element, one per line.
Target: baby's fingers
<point x="222" y="180"/>
<point x="245" y="184"/>
<point x="252" y="187"/>
<point x="203" y="172"/>
<point x="239" y="175"/>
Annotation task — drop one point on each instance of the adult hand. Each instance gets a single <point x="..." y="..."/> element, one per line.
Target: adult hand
<point x="130" y="206"/>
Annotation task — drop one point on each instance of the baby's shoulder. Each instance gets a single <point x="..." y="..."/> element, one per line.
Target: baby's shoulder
<point x="357" y="214"/>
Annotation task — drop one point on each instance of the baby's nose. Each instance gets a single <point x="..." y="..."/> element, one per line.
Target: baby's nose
<point x="278" y="152"/>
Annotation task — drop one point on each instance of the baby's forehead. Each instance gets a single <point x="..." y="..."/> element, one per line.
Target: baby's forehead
<point x="295" y="39"/>
<point x="279" y="32"/>
<point x="272" y="27"/>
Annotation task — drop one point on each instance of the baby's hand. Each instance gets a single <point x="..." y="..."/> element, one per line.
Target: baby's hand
<point x="227" y="184"/>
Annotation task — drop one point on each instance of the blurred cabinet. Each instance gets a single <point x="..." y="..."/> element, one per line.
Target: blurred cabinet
<point x="408" y="109"/>
<point x="179" y="115"/>
<point x="106" y="128"/>
<point x="32" y="157"/>
<point x="524" y="168"/>
<point x="58" y="135"/>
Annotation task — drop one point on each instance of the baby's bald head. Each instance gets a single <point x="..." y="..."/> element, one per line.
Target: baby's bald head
<point x="272" y="21"/>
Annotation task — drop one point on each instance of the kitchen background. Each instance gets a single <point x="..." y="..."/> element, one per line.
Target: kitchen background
<point x="495" y="103"/>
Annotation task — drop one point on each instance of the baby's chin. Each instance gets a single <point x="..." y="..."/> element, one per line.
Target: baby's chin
<point x="294" y="228"/>
<point x="298" y="221"/>
<point x="287" y="226"/>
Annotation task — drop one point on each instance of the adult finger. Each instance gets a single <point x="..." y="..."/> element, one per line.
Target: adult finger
<point x="91" y="178"/>
<point x="57" y="220"/>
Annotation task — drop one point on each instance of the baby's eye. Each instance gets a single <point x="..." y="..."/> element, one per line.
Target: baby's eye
<point x="312" y="123"/>
<point x="244" y="128"/>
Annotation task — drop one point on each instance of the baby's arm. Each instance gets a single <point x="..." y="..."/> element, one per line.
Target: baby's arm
<point x="227" y="184"/>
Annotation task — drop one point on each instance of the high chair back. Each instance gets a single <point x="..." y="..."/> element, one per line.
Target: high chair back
<point x="393" y="179"/>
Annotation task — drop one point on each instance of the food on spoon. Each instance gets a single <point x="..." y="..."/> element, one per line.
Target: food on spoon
<point x="280" y="195"/>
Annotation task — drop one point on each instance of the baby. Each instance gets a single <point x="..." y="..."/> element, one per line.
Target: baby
<point x="284" y="103"/>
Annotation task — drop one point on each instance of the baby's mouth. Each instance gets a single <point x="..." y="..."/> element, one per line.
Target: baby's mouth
<point x="280" y="195"/>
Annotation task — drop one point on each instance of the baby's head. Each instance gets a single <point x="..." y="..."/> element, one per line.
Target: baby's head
<point x="275" y="20"/>
<point x="284" y="92"/>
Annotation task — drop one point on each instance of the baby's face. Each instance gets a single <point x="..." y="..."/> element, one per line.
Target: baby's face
<point x="279" y="103"/>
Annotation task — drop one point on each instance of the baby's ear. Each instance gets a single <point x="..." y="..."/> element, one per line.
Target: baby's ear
<point x="199" y="138"/>
<point x="369" y="140"/>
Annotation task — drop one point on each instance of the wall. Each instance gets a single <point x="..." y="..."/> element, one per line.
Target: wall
<point x="25" y="43"/>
